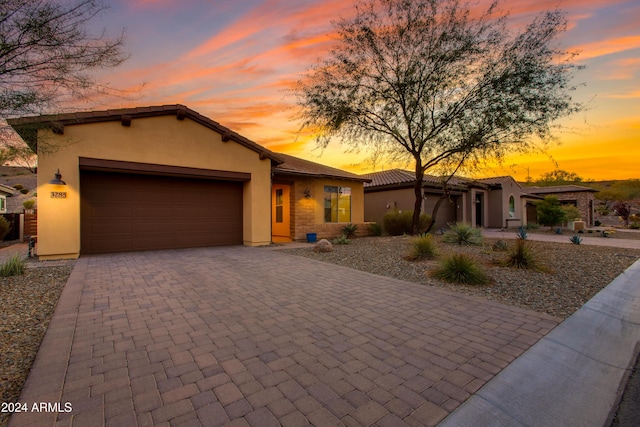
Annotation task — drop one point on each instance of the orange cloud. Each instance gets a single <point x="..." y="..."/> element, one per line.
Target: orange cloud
<point x="607" y="47"/>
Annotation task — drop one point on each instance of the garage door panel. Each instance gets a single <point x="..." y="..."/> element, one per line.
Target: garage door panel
<point x="127" y="212"/>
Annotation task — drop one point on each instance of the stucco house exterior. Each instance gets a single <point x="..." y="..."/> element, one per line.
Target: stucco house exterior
<point x="497" y="202"/>
<point x="5" y="191"/>
<point x="308" y="197"/>
<point x="167" y="177"/>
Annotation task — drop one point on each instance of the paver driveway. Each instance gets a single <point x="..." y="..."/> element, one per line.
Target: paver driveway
<point x="250" y="336"/>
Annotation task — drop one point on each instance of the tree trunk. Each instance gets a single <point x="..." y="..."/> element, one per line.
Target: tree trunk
<point x="442" y="198"/>
<point x="417" y="189"/>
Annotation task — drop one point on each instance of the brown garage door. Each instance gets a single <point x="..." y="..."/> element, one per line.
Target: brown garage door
<point x="128" y="212"/>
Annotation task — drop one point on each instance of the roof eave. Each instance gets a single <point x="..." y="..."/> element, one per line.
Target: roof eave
<point x="27" y="127"/>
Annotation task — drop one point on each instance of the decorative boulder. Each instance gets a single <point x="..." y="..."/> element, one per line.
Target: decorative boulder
<point x="323" y="246"/>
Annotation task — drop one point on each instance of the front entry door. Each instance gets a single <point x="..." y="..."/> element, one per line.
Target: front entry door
<point x="280" y="213"/>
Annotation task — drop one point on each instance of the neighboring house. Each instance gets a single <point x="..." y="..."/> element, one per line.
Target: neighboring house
<point x="489" y="202"/>
<point x="5" y="191"/>
<point x="167" y="177"/>
<point x="308" y="197"/>
<point x="581" y="197"/>
<point x="394" y="190"/>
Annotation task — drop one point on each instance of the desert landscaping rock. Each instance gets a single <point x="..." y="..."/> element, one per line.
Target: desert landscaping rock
<point x="323" y="246"/>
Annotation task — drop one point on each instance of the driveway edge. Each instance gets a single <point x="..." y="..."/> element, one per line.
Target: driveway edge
<point x="50" y="366"/>
<point x="573" y="376"/>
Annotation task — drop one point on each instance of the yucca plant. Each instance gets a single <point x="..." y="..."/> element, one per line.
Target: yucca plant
<point x="422" y="247"/>
<point x="349" y="230"/>
<point x="500" y="246"/>
<point x="521" y="255"/>
<point x="14" y="266"/>
<point x="460" y="268"/>
<point x="522" y="233"/>
<point x="575" y="239"/>
<point x="463" y="234"/>
<point x="341" y="240"/>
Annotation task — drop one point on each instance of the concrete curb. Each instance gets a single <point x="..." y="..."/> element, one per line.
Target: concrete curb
<point x="573" y="376"/>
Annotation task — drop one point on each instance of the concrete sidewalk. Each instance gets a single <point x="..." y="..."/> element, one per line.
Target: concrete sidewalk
<point x="564" y="238"/>
<point x="574" y="376"/>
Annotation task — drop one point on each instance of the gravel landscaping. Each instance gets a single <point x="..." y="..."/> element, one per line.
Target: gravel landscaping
<point x="27" y="303"/>
<point x="573" y="273"/>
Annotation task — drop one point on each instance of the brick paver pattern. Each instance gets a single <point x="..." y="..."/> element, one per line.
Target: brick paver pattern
<point x="249" y="336"/>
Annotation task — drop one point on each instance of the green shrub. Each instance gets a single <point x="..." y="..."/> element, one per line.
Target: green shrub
<point x="460" y="268"/>
<point x="533" y="226"/>
<point x="341" y="240"/>
<point x="571" y="212"/>
<point x="349" y="230"/>
<point x="422" y="247"/>
<point x="14" y="266"/>
<point x="28" y="204"/>
<point x="597" y="223"/>
<point x="5" y="227"/>
<point x="550" y="211"/>
<point x="521" y="255"/>
<point x="374" y="229"/>
<point x="24" y="191"/>
<point x="18" y="187"/>
<point x="463" y="234"/>
<point x="397" y="223"/>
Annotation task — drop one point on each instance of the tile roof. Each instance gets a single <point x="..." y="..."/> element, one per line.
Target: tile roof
<point x="27" y="126"/>
<point x="297" y="166"/>
<point x="389" y="177"/>
<point x="498" y="180"/>
<point x="401" y="176"/>
<point x="558" y="189"/>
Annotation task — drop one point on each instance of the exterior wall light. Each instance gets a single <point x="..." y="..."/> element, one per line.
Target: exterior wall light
<point x="307" y="193"/>
<point x="58" y="179"/>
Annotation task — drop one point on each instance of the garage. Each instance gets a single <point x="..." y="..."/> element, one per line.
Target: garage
<point x="123" y="212"/>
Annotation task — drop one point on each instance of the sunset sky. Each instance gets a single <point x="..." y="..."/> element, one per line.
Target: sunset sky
<point x="233" y="61"/>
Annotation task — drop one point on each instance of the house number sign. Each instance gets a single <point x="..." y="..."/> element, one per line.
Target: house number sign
<point x="58" y="194"/>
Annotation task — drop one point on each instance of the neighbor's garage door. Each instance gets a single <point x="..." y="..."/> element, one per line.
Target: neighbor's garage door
<point x="127" y="212"/>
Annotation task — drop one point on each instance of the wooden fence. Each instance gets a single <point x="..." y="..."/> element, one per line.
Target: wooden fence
<point x="30" y="225"/>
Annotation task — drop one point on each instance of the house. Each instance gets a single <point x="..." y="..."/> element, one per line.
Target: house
<point x="489" y="202"/>
<point x="394" y="190"/>
<point x="5" y="191"/>
<point x="167" y="177"/>
<point x="581" y="197"/>
<point x="308" y="197"/>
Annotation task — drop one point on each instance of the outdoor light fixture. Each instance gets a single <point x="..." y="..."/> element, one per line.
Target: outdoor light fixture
<point x="307" y="193"/>
<point x="58" y="179"/>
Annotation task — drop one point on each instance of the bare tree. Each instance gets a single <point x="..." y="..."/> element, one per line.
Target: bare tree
<point x="47" y="52"/>
<point x="47" y="56"/>
<point x="438" y="84"/>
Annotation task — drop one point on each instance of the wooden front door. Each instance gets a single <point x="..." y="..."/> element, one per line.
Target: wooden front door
<point x="281" y="213"/>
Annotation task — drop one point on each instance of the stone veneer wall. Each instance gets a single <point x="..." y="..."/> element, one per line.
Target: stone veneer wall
<point x="303" y="215"/>
<point x="582" y="203"/>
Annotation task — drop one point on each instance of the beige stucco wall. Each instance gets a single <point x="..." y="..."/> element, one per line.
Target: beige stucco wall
<point x="378" y="203"/>
<point x="162" y="140"/>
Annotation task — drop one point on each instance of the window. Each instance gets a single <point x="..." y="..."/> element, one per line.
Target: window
<point x="337" y="204"/>
<point x="512" y="206"/>
<point x="279" y="205"/>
